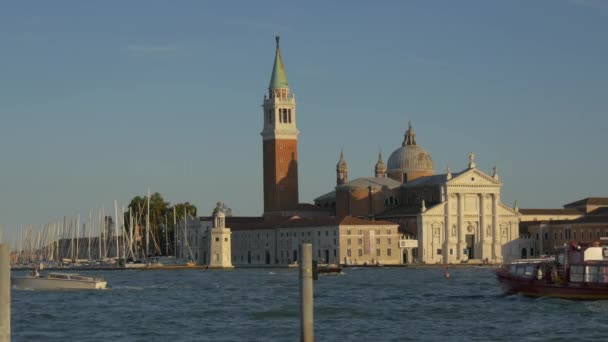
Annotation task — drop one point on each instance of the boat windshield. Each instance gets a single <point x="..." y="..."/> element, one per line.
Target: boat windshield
<point x="58" y="276"/>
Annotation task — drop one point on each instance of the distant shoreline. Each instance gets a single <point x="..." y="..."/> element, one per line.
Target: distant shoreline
<point x="164" y="268"/>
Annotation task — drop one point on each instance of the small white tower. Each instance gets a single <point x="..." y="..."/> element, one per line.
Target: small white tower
<point x="220" y="254"/>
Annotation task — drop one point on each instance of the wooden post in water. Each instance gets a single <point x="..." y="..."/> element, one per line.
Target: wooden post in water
<point x="306" y="293"/>
<point x="5" y="294"/>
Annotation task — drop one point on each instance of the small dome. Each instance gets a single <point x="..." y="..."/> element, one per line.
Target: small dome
<point x="410" y="157"/>
<point x="380" y="166"/>
<point x="341" y="166"/>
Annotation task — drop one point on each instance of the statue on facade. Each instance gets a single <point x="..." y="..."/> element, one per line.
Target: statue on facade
<point x="471" y="160"/>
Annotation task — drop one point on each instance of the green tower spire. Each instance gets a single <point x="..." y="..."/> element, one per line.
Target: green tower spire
<point x="278" y="78"/>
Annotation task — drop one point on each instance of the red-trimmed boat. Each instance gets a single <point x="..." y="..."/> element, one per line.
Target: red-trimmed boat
<point x="578" y="271"/>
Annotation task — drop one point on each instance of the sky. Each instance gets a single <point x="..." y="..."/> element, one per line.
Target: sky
<point x="100" y="101"/>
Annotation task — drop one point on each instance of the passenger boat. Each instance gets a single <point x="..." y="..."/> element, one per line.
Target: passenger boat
<point x="58" y="281"/>
<point x="578" y="271"/>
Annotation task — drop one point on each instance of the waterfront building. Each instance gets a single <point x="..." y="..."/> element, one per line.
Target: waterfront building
<point x="263" y="241"/>
<point x="585" y="221"/>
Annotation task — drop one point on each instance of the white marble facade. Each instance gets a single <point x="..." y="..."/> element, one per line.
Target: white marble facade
<point x="469" y="223"/>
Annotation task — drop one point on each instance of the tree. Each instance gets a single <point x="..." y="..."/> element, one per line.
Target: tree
<point x="161" y="222"/>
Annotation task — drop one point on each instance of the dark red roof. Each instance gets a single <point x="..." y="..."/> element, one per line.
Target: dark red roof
<point x="274" y="222"/>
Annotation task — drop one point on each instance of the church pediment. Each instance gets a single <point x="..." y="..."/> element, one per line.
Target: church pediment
<point x="473" y="177"/>
<point x="435" y="210"/>
<point x="504" y="210"/>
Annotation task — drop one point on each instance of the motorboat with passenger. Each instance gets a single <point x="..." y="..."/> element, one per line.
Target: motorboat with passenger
<point x="58" y="281"/>
<point x="578" y="271"/>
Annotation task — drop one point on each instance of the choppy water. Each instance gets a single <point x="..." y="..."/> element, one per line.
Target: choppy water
<point x="365" y="304"/>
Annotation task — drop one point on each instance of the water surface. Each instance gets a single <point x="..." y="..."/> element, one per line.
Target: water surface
<point x="365" y="304"/>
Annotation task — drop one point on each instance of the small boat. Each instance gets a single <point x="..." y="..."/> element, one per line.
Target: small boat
<point x="327" y="269"/>
<point x="579" y="271"/>
<point x="58" y="281"/>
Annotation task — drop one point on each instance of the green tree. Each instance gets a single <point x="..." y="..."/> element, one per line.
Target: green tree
<point x="162" y="228"/>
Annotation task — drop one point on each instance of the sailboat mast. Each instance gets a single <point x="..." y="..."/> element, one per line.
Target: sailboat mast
<point x="148" y="226"/>
<point x="175" y="230"/>
<point x="116" y="228"/>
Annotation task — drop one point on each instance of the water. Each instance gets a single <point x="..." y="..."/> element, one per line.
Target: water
<point x="365" y="304"/>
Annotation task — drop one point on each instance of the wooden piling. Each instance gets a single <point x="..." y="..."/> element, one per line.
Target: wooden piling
<point x="306" y="293"/>
<point x="5" y="294"/>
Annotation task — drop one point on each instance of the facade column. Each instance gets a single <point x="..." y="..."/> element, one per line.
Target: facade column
<point x="461" y="242"/>
<point x="446" y="241"/>
<point x="495" y="228"/>
<point x="482" y="229"/>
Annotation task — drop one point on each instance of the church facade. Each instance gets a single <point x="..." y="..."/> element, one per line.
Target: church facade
<point x="455" y="217"/>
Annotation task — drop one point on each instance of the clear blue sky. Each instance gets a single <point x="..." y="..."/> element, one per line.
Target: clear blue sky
<point x="100" y="100"/>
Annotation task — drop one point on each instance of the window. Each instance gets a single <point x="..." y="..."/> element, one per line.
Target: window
<point x="226" y="239"/>
<point x="388" y="232"/>
<point x="335" y="242"/>
<point x="284" y="115"/>
<point x="389" y="241"/>
<point x="280" y="117"/>
<point x="451" y="251"/>
<point x="334" y="253"/>
<point x="348" y="232"/>
<point x="378" y="252"/>
<point x="360" y="252"/>
<point x="439" y="251"/>
<point x="319" y="233"/>
<point x="348" y="252"/>
<point x="348" y="241"/>
<point x="388" y="252"/>
<point x="360" y="241"/>
<point x="217" y="239"/>
<point x="289" y="112"/>
<point x="378" y="241"/>
<point x="326" y="233"/>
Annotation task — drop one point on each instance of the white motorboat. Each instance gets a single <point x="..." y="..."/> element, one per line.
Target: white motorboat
<point x="58" y="281"/>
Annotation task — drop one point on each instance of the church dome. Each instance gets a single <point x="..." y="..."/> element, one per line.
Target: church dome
<point x="410" y="157"/>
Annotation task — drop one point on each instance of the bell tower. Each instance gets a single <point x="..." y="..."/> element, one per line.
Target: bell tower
<point x="280" y="142"/>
